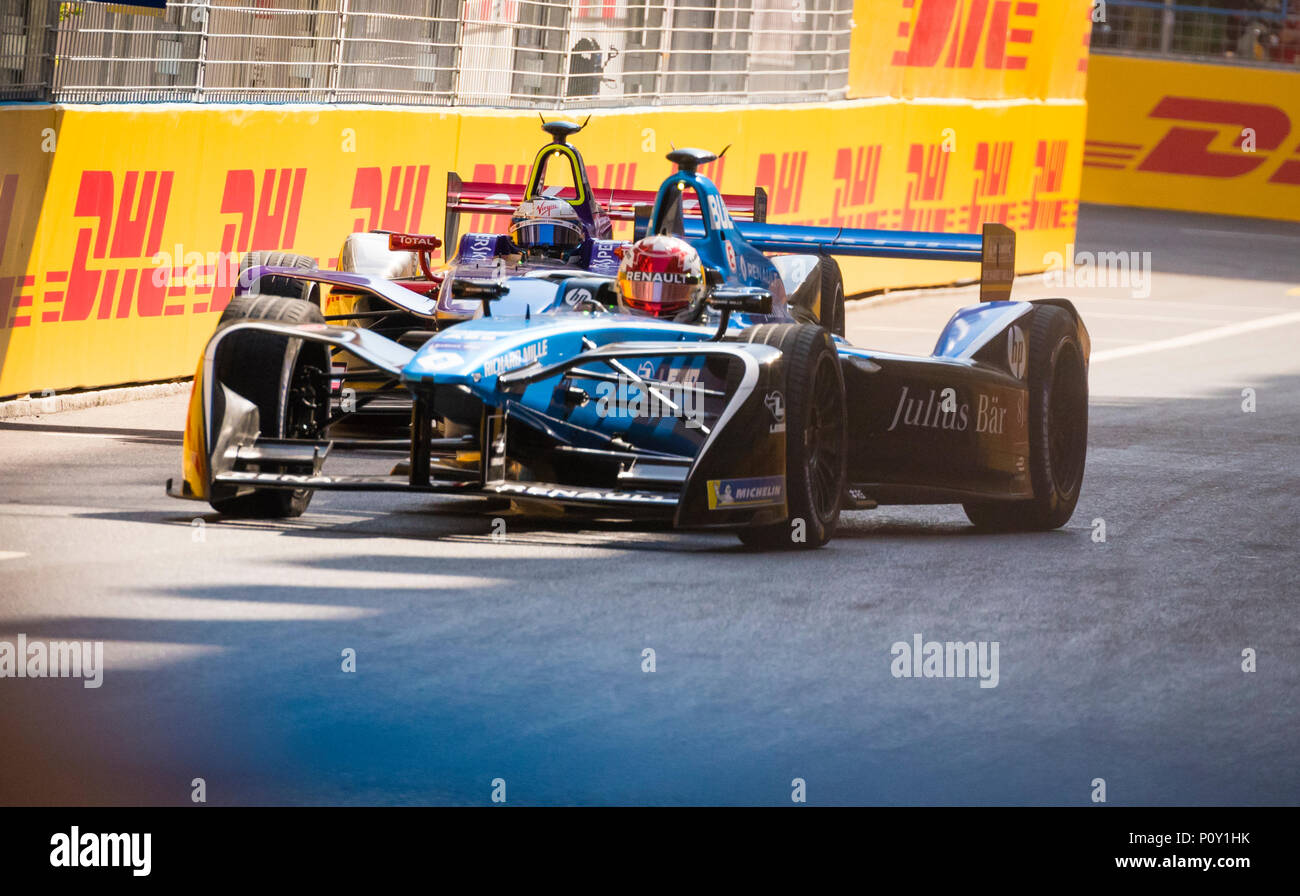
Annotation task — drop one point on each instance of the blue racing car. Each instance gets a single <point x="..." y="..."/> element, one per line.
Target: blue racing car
<point x="704" y="383"/>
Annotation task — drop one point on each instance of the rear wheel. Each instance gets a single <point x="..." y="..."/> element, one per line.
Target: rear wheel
<point x="287" y="379"/>
<point x="277" y="285"/>
<point x="832" y="296"/>
<point x="816" y="438"/>
<point x="1058" y="430"/>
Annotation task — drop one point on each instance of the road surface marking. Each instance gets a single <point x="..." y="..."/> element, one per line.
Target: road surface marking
<point x="1243" y="236"/>
<point x="1159" y="318"/>
<point x="1249" y="326"/>
<point x="12" y="555"/>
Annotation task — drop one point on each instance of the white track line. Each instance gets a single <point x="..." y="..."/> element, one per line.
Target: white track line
<point x="1249" y="326"/>
<point x="1242" y="236"/>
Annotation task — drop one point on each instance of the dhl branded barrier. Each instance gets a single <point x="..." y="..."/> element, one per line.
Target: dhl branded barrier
<point x="1222" y="139"/>
<point x="970" y="49"/>
<point x="120" y="226"/>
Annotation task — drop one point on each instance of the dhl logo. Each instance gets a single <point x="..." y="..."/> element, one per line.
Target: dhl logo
<point x="125" y="222"/>
<point x="857" y="174"/>
<point x="267" y="212"/>
<point x="927" y="175"/>
<point x="1043" y="212"/>
<point x="992" y="177"/>
<point x="783" y="180"/>
<point x="619" y="176"/>
<point x="1186" y="150"/>
<point x="397" y="206"/>
<point x="8" y="193"/>
<point x="926" y="205"/>
<point x="712" y="170"/>
<point x="950" y="33"/>
<point x="9" y="285"/>
<point x="510" y="174"/>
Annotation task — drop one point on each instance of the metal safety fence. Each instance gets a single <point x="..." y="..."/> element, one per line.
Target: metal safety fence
<point x="510" y="53"/>
<point x="1261" y="32"/>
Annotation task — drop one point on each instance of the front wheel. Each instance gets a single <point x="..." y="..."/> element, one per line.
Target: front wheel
<point x="288" y="380"/>
<point x="816" y="445"/>
<point x="1058" y="430"/>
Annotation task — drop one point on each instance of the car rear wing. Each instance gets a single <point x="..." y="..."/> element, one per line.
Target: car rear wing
<point x="994" y="248"/>
<point x="489" y="198"/>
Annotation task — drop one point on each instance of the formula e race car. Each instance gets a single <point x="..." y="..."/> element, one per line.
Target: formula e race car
<point x="685" y="388"/>
<point x="387" y="282"/>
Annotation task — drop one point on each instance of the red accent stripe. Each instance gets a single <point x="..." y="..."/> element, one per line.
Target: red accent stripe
<point x="1021" y="36"/>
<point x="174" y="309"/>
<point x="1087" y="164"/>
<point x="1026" y="9"/>
<point x="1016" y="63"/>
<point x="1134" y="146"/>
<point x="56" y="276"/>
<point x="200" y="308"/>
<point x="50" y="317"/>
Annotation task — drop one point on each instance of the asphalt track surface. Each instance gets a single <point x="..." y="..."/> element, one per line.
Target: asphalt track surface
<point x="522" y="660"/>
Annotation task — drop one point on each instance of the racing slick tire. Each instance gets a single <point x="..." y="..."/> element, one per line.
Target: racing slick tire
<point x="293" y="405"/>
<point x="832" y="290"/>
<point x="273" y="285"/>
<point x="816" y="438"/>
<point x="1058" y="430"/>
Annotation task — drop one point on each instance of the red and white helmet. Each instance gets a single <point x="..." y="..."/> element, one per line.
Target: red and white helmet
<point x="661" y="276"/>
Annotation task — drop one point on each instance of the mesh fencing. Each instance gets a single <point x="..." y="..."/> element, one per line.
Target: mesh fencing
<point x="513" y="53"/>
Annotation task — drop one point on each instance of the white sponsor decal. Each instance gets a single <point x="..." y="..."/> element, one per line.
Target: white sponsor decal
<point x="578" y="494"/>
<point x="575" y="297"/>
<point x="775" y="403"/>
<point x="945" y="413"/>
<point x="515" y="358"/>
<point x="1017" y="353"/>
<point x="659" y="277"/>
<point x="440" y="360"/>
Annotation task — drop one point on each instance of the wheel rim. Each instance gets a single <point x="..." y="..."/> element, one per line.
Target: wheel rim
<point x="1069" y="398"/>
<point x="824" y="439"/>
<point x="304" y="412"/>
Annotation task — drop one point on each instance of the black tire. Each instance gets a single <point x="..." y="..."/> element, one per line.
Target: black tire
<point x="292" y="405"/>
<point x="1058" y="430"/>
<point x="274" y="285"/>
<point x="832" y="296"/>
<point x="816" y="438"/>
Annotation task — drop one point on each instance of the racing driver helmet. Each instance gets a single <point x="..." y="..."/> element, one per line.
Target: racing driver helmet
<point x="661" y="276"/>
<point x="546" y="225"/>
